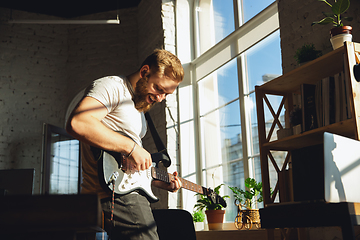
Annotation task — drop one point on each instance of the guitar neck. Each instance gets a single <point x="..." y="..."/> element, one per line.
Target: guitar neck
<point x="159" y="174"/>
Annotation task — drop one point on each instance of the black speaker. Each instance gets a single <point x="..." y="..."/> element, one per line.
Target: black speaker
<point x="308" y="173"/>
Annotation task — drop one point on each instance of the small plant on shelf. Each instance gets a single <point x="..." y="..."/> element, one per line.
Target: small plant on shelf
<point x="338" y="33"/>
<point x="306" y="53"/>
<point x="295" y="116"/>
<point x="337" y="8"/>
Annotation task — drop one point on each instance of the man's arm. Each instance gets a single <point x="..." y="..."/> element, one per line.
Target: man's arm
<point x="85" y="125"/>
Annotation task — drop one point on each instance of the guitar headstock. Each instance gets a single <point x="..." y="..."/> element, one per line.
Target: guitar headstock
<point x="215" y="198"/>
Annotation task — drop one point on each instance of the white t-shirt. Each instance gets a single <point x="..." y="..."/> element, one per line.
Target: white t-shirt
<point x="122" y="117"/>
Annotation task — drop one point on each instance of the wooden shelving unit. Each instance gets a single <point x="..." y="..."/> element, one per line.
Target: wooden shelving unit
<point x="342" y="59"/>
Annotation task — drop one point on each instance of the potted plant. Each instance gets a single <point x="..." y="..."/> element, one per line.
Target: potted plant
<point x="214" y="206"/>
<point x="306" y="53"/>
<point x="339" y="33"/>
<point x="198" y="218"/>
<point x="296" y="120"/>
<point x="247" y="199"/>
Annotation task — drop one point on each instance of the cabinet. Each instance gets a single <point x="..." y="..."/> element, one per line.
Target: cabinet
<point x="340" y="60"/>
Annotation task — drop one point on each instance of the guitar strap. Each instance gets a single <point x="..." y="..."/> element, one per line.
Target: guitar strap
<point x="158" y="142"/>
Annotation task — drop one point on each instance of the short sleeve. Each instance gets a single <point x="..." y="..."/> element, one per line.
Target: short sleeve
<point x="108" y="90"/>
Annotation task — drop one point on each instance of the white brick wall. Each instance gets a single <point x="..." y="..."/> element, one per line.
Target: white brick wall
<point x="295" y="27"/>
<point x="42" y="67"/>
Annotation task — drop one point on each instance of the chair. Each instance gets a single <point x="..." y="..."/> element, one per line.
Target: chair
<point x="174" y="224"/>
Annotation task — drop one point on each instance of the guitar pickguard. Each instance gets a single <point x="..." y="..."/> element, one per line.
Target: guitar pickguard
<point x="128" y="179"/>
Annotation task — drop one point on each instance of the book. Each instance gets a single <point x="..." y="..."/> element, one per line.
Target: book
<point x="348" y="89"/>
<point x="338" y="102"/>
<point x="308" y="106"/>
<point x="325" y="100"/>
<point x="319" y="104"/>
<point x="332" y="101"/>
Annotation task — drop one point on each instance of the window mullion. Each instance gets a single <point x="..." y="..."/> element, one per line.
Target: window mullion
<point x="197" y="128"/>
<point x="244" y="124"/>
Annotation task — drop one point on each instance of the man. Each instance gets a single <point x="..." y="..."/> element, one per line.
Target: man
<point x="110" y="117"/>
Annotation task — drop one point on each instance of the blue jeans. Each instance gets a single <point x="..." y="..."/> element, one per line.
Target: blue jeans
<point x="133" y="218"/>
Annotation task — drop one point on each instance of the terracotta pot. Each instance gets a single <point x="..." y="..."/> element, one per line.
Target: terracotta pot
<point x="215" y="219"/>
<point x="340" y="30"/>
<point x="338" y="35"/>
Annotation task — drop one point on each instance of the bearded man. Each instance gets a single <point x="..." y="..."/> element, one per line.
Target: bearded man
<point x="110" y="116"/>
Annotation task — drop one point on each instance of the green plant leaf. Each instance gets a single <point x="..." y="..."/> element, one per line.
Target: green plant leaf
<point x="204" y="202"/>
<point x="325" y="2"/>
<point x="340" y="6"/>
<point x="329" y="14"/>
<point x="198" y="216"/>
<point x="324" y="21"/>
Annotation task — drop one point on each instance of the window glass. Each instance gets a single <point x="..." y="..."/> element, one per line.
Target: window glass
<point x="187" y="145"/>
<point x="215" y="22"/>
<point x="186" y="103"/>
<point x="61" y="162"/>
<point x="234" y="177"/>
<point x="222" y="149"/>
<point x="219" y="88"/>
<point x="224" y="18"/>
<point x="64" y="165"/>
<point x="252" y="8"/>
<point x="263" y="61"/>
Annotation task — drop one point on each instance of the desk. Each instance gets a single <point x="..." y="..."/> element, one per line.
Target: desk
<point x="49" y="216"/>
<point x="258" y="234"/>
<point x="312" y="214"/>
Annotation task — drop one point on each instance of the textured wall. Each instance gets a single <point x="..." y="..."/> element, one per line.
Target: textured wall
<point x="295" y="27"/>
<point x="42" y="68"/>
<point x="33" y="88"/>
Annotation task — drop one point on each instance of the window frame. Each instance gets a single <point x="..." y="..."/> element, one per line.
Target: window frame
<point x="198" y="67"/>
<point x="48" y="130"/>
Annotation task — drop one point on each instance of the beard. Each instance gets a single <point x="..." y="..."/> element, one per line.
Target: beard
<point x="141" y="95"/>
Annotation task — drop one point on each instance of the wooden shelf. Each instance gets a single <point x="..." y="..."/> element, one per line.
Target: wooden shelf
<point x="293" y="214"/>
<point x="309" y="73"/>
<point x="312" y="137"/>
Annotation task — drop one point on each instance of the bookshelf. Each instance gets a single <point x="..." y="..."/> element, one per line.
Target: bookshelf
<point x="340" y="60"/>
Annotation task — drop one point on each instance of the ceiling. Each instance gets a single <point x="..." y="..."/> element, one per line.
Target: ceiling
<point x="68" y="8"/>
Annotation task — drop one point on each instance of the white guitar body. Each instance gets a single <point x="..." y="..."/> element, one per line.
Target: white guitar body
<point x="127" y="179"/>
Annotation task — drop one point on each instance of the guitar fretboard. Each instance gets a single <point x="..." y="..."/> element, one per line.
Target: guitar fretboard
<point x="162" y="175"/>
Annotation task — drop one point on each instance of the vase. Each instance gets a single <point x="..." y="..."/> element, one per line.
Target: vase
<point x="199" y="226"/>
<point x="284" y="132"/>
<point x="338" y="35"/>
<point x="215" y="219"/>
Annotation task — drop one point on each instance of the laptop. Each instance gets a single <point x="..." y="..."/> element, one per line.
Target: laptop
<point x="341" y="168"/>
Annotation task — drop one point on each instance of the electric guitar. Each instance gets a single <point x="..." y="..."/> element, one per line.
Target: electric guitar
<point x="116" y="174"/>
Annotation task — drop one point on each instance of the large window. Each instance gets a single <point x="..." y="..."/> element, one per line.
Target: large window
<point x="234" y="46"/>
